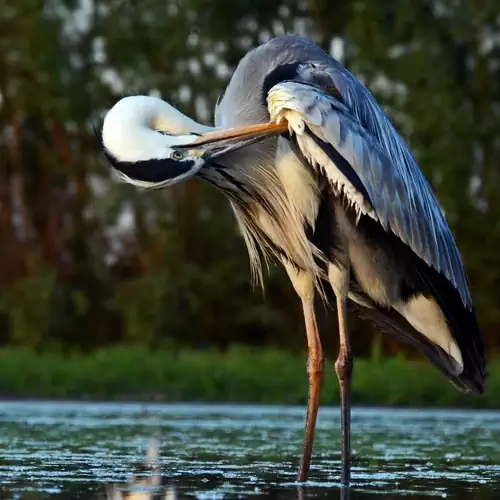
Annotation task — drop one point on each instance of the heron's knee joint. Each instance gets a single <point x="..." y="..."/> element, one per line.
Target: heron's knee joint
<point x="343" y="366"/>
<point x="315" y="365"/>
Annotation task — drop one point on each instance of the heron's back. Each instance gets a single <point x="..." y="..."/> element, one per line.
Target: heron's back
<point x="244" y="100"/>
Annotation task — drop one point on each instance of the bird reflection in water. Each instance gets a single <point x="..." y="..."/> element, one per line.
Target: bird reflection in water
<point x="148" y="483"/>
<point x="145" y="484"/>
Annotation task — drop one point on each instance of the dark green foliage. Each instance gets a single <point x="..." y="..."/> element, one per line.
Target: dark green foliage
<point x="240" y="374"/>
<point x="73" y="277"/>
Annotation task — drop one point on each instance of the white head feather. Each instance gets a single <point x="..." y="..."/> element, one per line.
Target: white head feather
<point x="142" y="128"/>
<point x="130" y="130"/>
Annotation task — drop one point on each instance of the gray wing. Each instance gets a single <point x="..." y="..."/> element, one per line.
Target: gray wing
<point x="340" y="128"/>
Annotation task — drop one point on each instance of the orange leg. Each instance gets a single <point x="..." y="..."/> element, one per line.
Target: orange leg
<point x="315" y="372"/>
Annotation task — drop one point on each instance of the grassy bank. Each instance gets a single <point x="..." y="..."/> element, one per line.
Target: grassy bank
<point x="238" y="375"/>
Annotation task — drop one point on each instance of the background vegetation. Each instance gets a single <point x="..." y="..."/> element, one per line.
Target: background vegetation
<point x="86" y="262"/>
<point x="210" y="376"/>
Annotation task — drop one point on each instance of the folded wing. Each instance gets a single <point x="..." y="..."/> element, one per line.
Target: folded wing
<point x="378" y="174"/>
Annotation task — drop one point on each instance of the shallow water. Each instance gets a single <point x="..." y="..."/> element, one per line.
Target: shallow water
<point x="78" y="450"/>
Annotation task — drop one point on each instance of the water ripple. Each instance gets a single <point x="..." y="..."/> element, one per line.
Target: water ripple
<point x="79" y="450"/>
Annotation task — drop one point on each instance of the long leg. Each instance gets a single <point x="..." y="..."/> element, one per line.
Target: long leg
<point x="304" y="287"/>
<point x="343" y="367"/>
<point x="315" y="372"/>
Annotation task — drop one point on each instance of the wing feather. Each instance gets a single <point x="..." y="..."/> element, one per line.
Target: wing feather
<point x="351" y="122"/>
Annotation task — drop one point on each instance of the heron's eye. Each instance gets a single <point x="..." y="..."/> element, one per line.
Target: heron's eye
<point x="177" y="155"/>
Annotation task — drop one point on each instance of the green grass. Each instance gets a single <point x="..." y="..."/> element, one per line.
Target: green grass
<point x="238" y="375"/>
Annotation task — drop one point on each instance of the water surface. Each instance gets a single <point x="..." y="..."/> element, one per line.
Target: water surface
<point x="80" y="450"/>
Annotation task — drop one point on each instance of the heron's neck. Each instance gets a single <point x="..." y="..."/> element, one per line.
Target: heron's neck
<point x="131" y="128"/>
<point x="162" y="116"/>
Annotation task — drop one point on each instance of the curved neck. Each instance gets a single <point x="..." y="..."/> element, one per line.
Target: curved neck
<point x="161" y="116"/>
<point x="131" y="128"/>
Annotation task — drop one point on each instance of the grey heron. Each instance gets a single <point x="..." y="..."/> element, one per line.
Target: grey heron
<point x="318" y="178"/>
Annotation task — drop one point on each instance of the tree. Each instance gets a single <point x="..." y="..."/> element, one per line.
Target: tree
<point x="87" y="261"/>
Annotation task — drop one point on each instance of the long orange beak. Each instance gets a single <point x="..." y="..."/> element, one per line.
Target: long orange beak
<point x="271" y="128"/>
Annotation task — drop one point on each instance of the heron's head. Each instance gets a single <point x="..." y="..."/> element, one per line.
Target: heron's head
<point x="153" y="145"/>
<point x="142" y="138"/>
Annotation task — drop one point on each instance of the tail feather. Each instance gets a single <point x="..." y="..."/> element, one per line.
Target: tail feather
<point x="430" y="311"/>
<point x="461" y="321"/>
<point x="391" y="322"/>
